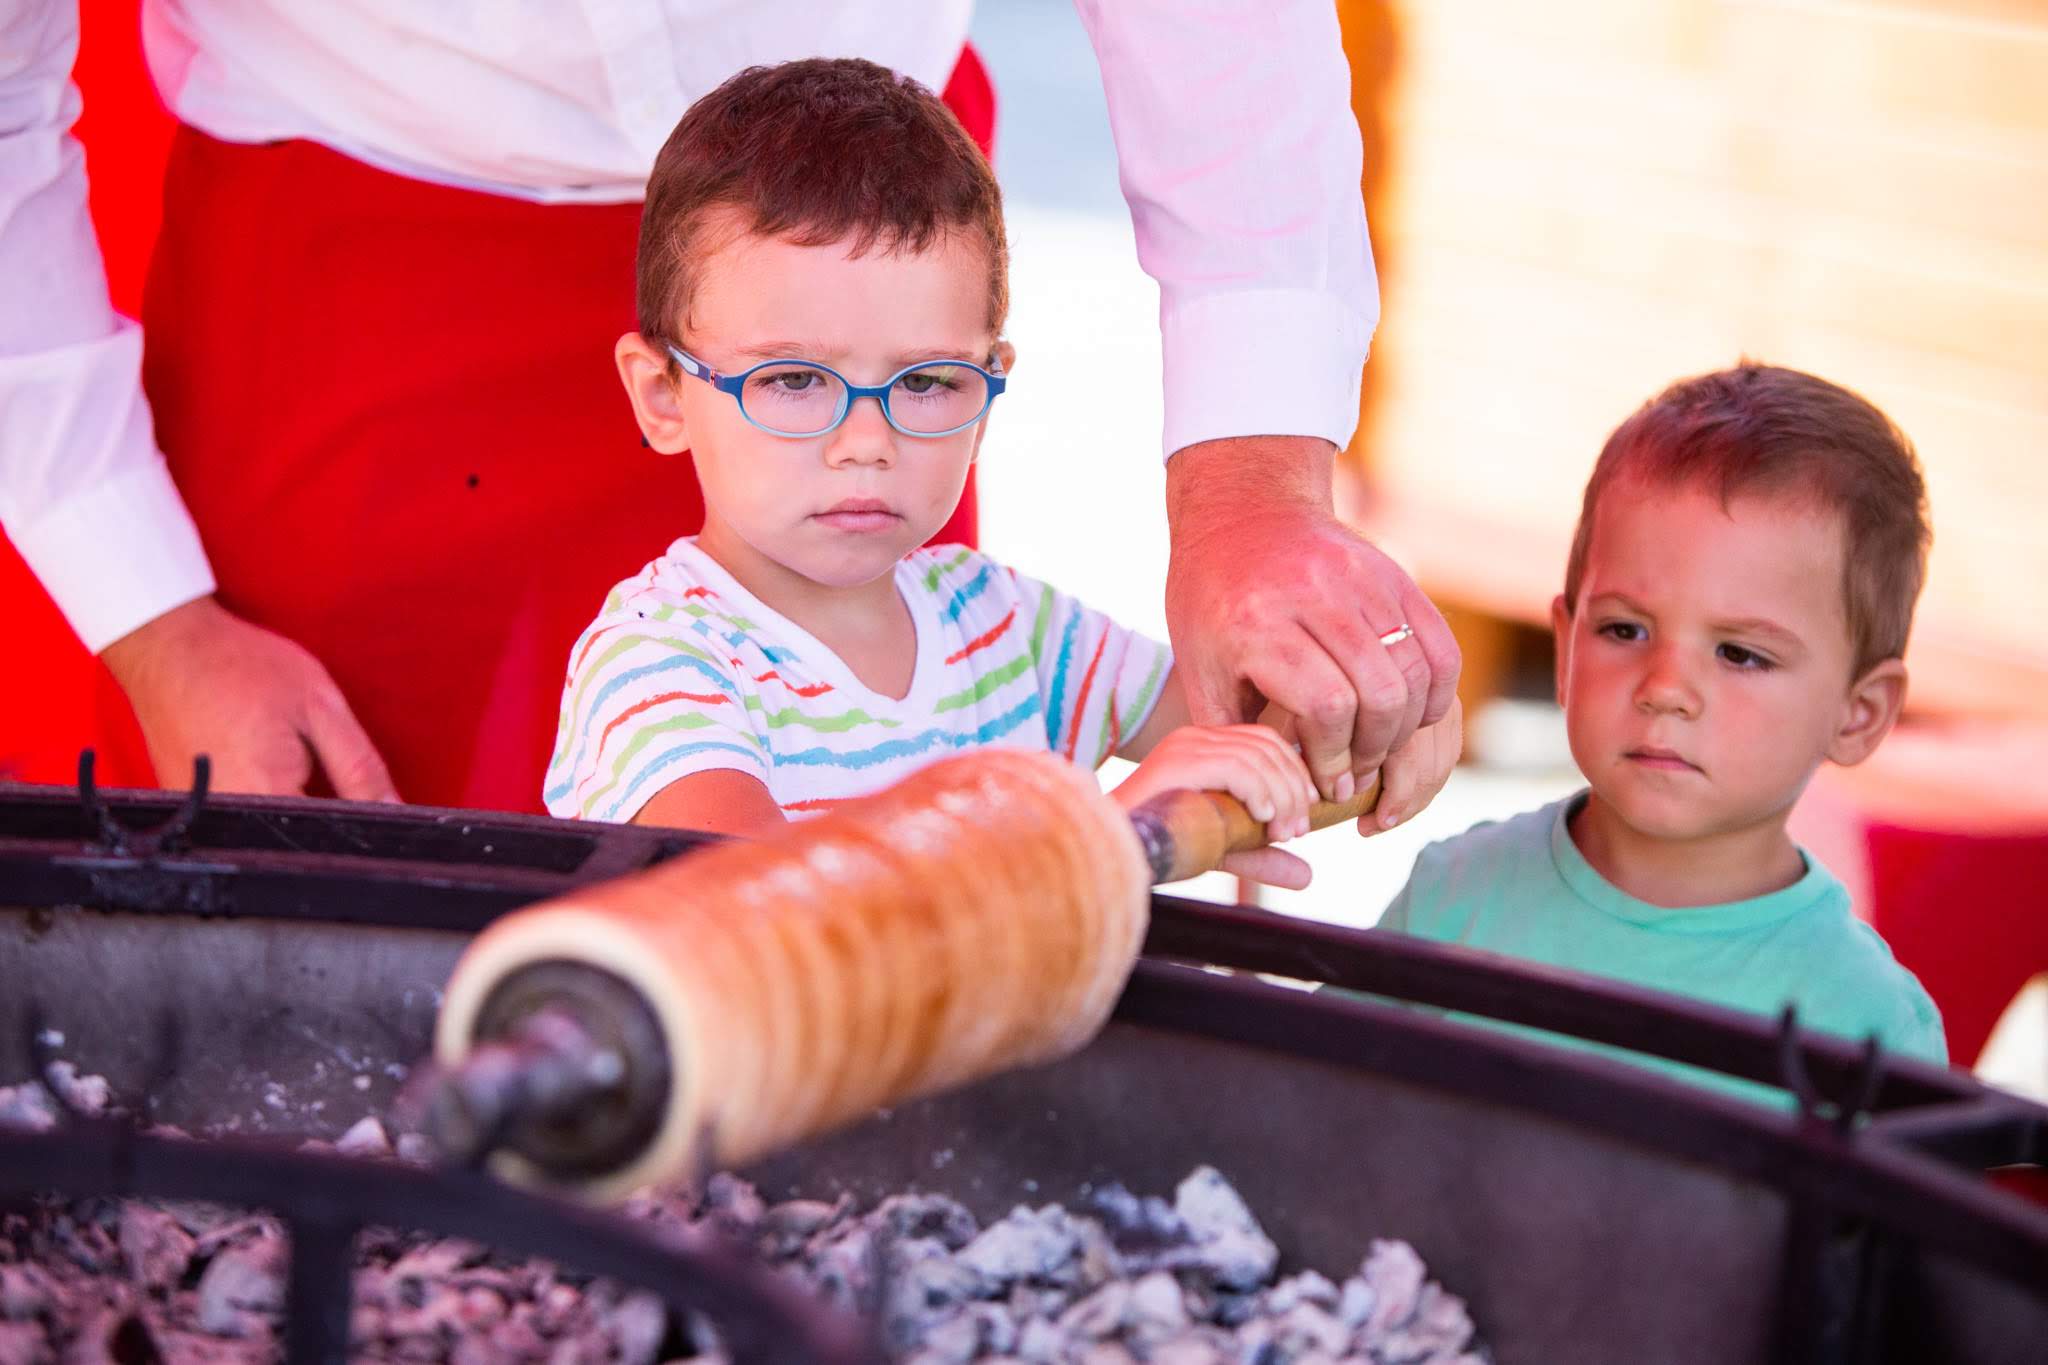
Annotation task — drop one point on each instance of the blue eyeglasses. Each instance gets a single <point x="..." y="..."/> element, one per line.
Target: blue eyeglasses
<point x="804" y="398"/>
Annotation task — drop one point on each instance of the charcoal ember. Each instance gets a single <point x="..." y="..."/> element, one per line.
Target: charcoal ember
<point x="1046" y="1245"/>
<point x="1306" y="1287"/>
<point x="157" y="1249"/>
<point x="1143" y="1281"/>
<point x="927" y="1215"/>
<point x="243" y="1279"/>
<point x="25" y="1292"/>
<point x="1101" y="1314"/>
<point x="1040" y="1342"/>
<point x="924" y="1284"/>
<point x="846" y="1266"/>
<point x="24" y="1341"/>
<point x="27" y="1106"/>
<point x="1396" y="1275"/>
<point x="1436" y="1334"/>
<point x="90" y="1095"/>
<point x="786" y="1228"/>
<point x="1305" y="1329"/>
<point x="415" y="1149"/>
<point x="1355" y="1303"/>
<point x="86" y="1242"/>
<point x="636" y="1328"/>
<point x="365" y="1137"/>
<point x="732" y="1205"/>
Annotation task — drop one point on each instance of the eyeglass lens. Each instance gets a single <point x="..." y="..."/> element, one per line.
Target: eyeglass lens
<point x="798" y="400"/>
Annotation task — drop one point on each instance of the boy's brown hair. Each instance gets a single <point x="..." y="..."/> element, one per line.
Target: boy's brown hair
<point x="1765" y="430"/>
<point x="814" y="151"/>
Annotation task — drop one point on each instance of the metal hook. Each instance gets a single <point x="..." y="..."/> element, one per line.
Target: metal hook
<point x="1794" y="1076"/>
<point x="168" y="836"/>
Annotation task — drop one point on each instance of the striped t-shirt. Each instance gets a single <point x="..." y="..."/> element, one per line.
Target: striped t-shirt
<point x="687" y="671"/>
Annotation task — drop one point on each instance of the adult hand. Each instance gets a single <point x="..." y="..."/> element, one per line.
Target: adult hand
<point x="1270" y="599"/>
<point x="203" y="680"/>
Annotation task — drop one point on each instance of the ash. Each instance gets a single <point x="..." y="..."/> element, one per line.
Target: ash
<point x="1128" y="1280"/>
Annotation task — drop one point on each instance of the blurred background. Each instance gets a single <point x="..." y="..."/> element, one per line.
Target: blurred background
<point x="1572" y="204"/>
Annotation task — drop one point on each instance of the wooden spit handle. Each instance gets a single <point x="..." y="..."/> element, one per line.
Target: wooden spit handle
<point x="1186" y="833"/>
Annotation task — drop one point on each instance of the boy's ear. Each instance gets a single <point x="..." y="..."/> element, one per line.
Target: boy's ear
<point x="1869" y="711"/>
<point x="1560" y="643"/>
<point x="644" y="370"/>
<point x="1003" y="358"/>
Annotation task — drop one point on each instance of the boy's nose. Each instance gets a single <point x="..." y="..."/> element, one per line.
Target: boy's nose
<point x="1665" y="689"/>
<point x="865" y="437"/>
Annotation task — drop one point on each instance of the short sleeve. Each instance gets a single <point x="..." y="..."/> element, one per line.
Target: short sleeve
<point x="1098" y="680"/>
<point x="642" y="707"/>
<point x="1917" y="1031"/>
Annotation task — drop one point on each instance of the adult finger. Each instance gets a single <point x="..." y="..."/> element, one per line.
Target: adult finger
<point x="1439" y="650"/>
<point x="1212" y="688"/>
<point x="351" y="762"/>
<point x="1325" y="704"/>
<point x="1388" y="705"/>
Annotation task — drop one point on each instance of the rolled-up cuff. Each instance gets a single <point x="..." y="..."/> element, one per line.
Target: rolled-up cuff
<point x="1275" y="362"/>
<point x="117" y="555"/>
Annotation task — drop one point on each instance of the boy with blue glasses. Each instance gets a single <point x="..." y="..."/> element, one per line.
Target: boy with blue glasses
<point x="823" y="279"/>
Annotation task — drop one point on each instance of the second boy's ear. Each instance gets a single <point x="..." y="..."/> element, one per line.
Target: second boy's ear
<point x="1868" y="712"/>
<point x="644" y="369"/>
<point x="1560" y="643"/>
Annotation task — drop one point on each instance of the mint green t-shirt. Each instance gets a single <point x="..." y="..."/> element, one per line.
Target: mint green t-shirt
<point x="1521" y="887"/>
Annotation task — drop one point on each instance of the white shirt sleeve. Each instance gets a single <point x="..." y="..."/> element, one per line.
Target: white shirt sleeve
<point x="84" y="493"/>
<point x="1241" y="160"/>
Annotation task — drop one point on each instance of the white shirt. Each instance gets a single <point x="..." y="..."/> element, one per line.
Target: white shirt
<point x="1237" y="148"/>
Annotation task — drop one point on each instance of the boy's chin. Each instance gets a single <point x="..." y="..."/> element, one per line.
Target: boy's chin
<point x="1672" y="818"/>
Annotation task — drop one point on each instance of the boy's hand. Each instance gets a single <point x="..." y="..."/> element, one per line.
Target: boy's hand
<point x="1252" y="763"/>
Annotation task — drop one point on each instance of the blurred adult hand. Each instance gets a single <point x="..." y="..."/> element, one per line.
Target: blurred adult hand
<point x="203" y="680"/>
<point x="1270" y="599"/>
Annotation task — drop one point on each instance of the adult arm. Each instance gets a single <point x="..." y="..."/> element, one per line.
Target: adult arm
<point x="84" y="493"/>
<point x="1241" y="160"/>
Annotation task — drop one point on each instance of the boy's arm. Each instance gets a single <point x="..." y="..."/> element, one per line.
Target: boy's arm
<point x="717" y="801"/>
<point x="1169" y="714"/>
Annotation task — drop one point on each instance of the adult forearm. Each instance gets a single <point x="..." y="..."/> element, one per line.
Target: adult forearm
<point x="83" y="492"/>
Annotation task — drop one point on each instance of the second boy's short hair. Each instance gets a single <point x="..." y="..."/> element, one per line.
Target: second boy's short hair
<point x="815" y="151"/>
<point x="1762" y="429"/>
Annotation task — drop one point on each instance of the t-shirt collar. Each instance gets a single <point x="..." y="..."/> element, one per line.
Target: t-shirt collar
<point x="1731" y="917"/>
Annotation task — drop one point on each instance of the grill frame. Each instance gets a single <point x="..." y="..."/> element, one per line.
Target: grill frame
<point x="1867" y="1198"/>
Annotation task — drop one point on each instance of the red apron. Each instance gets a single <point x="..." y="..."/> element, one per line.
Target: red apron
<point x="392" y="409"/>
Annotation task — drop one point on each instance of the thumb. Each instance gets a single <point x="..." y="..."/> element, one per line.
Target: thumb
<point x="351" y="762"/>
<point x="1272" y="866"/>
<point x="1212" y="697"/>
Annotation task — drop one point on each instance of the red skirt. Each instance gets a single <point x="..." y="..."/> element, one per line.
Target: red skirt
<point x="392" y="409"/>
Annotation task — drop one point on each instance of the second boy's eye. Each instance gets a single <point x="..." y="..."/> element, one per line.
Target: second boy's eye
<point x="1743" y="657"/>
<point x="1626" y="631"/>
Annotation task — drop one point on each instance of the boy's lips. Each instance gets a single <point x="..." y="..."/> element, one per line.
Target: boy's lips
<point x="858" y="514"/>
<point x="1666" y="760"/>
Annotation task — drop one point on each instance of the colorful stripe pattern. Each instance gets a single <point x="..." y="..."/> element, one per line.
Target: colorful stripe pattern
<point x="685" y="671"/>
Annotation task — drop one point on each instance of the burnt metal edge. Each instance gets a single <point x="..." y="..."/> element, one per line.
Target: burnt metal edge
<point x="325" y="1200"/>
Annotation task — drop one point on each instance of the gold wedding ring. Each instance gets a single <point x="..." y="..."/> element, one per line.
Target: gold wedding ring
<point x="1404" y="631"/>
